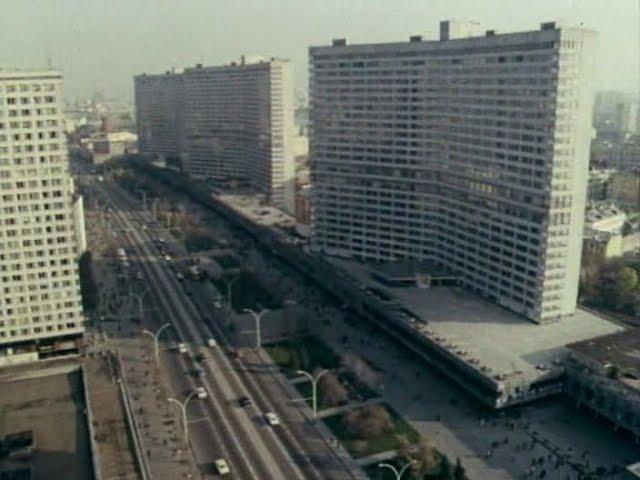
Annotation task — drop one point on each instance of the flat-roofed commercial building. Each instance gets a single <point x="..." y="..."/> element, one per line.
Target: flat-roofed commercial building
<point x="41" y="222"/>
<point x="237" y="125"/>
<point x="470" y="152"/>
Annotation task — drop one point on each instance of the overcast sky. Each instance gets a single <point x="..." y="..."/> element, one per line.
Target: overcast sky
<point x="99" y="45"/>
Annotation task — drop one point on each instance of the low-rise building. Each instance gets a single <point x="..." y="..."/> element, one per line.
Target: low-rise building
<point x="604" y="374"/>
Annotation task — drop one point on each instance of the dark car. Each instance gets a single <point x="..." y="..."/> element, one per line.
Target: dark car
<point x="244" y="402"/>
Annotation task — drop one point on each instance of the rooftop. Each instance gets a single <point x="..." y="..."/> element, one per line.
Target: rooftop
<point x="621" y="349"/>
<point x="489" y="336"/>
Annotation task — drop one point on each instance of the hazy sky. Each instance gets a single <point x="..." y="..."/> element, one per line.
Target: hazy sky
<point x="100" y="44"/>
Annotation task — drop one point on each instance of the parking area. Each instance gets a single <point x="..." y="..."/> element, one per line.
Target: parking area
<point x="53" y="408"/>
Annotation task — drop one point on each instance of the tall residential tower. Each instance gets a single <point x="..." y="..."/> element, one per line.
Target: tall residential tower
<point x="234" y="123"/>
<point x="470" y="151"/>
<point x="41" y="222"/>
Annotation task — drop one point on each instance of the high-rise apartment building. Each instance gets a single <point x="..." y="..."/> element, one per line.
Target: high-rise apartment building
<point x="471" y="152"/>
<point x="159" y="120"/>
<point x="41" y="222"/>
<point x="236" y="123"/>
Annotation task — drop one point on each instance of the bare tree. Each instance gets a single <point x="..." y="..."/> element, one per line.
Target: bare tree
<point x="368" y="422"/>
<point x="332" y="390"/>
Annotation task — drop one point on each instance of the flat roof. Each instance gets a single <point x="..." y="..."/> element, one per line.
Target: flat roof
<point x="504" y="342"/>
<point x="621" y="349"/>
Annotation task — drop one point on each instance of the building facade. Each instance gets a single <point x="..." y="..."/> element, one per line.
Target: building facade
<point x="470" y="152"/>
<point x="159" y="121"/>
<point x="41" y="222"/>
<point x="237" y="124"/>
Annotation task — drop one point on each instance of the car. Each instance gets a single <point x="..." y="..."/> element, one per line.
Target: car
<point x="201" y="392"/>
<point x="180" y="276"/>
<point x="272" y="419"/>
<point x="217" y="304"/>
<point x="222" y="467"/>
<point x="211" y="342"/>
<point x="139" y="275"/>
<point x="182" y="348"/>
<point x="244" y="402"/>
<point x="167" y="258"/>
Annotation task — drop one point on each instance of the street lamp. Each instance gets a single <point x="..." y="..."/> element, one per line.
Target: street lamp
<point x="183" y="410"/>
<point x="257" y="317"/>
<point x="156" y="337"/>
<point x="397" y="473"/>
<point x="229" y="284"/>
<point x="314" y="389"/>
<point x="139" y="297"/>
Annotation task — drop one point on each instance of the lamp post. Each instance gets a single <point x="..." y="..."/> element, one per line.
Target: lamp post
<point x="257" y="317"/>
<point x="398" y="473"/>
<point x="156" y="337"/>
<point x="139" y="297"/>
<point x="183" y="410"/>
<point x="229" y="284"/>
<point x="314" y="388"/>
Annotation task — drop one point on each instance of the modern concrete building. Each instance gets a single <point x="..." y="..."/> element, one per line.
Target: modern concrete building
<point x="41" y="222"/>
<point x="468" y="152"/>
<point x="159" y="121"/>
<point x="237" y="124"/>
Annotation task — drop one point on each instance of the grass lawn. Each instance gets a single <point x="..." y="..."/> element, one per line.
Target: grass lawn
<point x="227" y="262"/>
<point x="358" y="391"/>
<point x="307" y="353"/>
<point x="386" y="441"/>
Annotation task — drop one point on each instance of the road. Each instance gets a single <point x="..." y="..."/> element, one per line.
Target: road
<point x="219" y="427"/>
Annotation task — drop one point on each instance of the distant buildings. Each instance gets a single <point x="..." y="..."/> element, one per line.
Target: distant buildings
<point x="41" y="222"/>
<point x="104" y="146"/>
<point x="231" y="123"/>
<point x="470" y="152"/>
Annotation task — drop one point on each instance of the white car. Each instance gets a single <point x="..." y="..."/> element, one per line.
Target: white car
<point x="272" y="419"/>
<point x="201" y="392"/>
<point x="180" y="276"/>
<point x="182" y="348"/>
<point x="222" y="467"/>
<point x="167" y="258"/>
<point x="211" y="342"/>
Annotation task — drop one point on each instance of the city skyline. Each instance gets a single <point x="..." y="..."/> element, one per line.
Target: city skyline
<point x="199" y="34"/>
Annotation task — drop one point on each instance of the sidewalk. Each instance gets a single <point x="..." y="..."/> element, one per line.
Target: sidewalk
<point x="377" y="457"/>
<point x="327" y="412"/>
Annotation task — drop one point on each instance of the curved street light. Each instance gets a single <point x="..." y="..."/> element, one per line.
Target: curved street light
<point x="156" y="337"/>
<point x="257" y="317"/>
<point x="183" y="410"/>
<point x="314" y="387"/>
<point x="398" y="473"/>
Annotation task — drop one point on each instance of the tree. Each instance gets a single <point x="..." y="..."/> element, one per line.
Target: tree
<point x="626" y="285"/>
<point x="332" y="390"/>
<point x="458" y="471"/>
<point x="427" y="458"/>
<point x="367" y="422"/>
